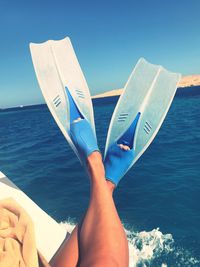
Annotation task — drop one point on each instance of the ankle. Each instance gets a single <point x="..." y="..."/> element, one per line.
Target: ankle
<point x="95" y="165"/>
<point x="111" y="186"/>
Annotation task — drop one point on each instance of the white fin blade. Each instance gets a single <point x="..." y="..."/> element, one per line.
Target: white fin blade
<point x="149" y="91"/>
<point x="52" y="85"/>
<point x="155" y="110"/>
<point x="131" y="100"/>
<point x="49" y="81"/>
<point x="72" y="77"/>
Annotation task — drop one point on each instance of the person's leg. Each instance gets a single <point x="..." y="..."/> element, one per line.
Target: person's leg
<point x="68" y="253"/>
<point x="101" y="240"/>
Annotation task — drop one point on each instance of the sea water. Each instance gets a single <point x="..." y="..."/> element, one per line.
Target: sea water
<point x="158" y="200"/>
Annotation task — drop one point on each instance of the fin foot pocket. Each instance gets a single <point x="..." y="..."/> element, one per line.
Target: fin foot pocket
<point x="73" y="109"/>
<point x="83" y="138"/>
<point x="128" y="137"/>
<point x="118" y="160"/>
<point x="81" y="131"/>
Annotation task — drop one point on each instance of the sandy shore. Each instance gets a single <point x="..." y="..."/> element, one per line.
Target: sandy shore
<point x="192" y="80"/>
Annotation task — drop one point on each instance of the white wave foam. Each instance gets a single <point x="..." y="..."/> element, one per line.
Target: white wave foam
<point x="146" y="246"/>
<point x="153" y="247"/>
<point x="68" y="225"/>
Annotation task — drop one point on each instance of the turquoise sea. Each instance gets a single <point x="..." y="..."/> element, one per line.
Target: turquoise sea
<point x="158" y="200"/>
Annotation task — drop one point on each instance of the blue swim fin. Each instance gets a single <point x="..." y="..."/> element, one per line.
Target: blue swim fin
<point x="138" y="116"/>
<point x="66" y="93"/>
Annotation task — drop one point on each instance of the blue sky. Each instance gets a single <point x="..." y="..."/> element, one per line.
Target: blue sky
<point x="108" y="37"/>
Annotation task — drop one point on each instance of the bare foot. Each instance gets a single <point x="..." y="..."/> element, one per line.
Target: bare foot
<point x="124" y="147"/>
<point x="77" y="120"/>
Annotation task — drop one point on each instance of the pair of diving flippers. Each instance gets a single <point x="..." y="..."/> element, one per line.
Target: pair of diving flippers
<point x="136" y="120"/>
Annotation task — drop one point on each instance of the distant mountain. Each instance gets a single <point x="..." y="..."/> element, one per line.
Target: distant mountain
<point x="186" y="81"/>
<point x="192" y="80"/>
